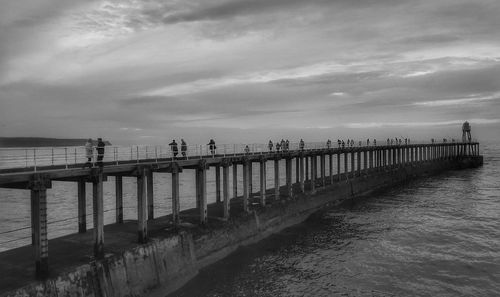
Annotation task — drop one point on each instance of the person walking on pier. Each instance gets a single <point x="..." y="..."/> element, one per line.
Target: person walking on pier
<point x="183" y="147"/>
<point x="174" y="148"/>
<point x="343" y="144"/>
<point x="89" y="153"/>
<point x="368" y="142"/>
<point x="212" y="147"/>
<point x="278" y="146"/>
<point x="247" y="150"/>
<point x="100" y="152"/>
<point x="374" y="142"/>
<point x="301" y="144"/>
<point x="339" y="142"/>
<point x="328" y="144"/>
<point x="287" y="144"/>
<point x="283" y="145"/>
<point x="270" y="146"/>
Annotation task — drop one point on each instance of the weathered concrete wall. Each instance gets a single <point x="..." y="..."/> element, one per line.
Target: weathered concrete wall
<point x="164" y="264"/>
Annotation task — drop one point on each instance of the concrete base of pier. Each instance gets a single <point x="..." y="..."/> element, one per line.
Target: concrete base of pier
<point x="173" y="255"/>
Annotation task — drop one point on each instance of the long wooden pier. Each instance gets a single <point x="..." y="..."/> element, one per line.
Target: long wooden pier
<point x="357" y="162"/>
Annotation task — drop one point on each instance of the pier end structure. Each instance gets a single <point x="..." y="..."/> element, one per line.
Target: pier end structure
<point x="418" y="160"/>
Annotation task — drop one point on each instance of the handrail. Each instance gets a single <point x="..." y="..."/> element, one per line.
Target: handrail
<point x="66" y="156"/>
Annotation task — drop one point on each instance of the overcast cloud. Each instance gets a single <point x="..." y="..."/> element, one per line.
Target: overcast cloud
<point x="246" y="70"/>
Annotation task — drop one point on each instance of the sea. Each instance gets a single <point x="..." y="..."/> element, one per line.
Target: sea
<point x="436" y="236"/>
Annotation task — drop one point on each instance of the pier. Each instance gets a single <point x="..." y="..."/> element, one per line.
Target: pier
<point x="341" y="167"/>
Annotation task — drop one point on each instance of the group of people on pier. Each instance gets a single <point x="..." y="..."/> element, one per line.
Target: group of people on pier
<point x="89" y="152"/>
<point x="279" y="146"/>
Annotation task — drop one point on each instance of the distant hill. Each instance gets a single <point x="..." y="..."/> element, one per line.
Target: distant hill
<point x="39" y="141"/>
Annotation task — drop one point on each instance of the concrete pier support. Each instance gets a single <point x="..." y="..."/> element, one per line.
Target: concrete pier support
<point x="98" y="206"/>
<point x="276" y="179"/>
<point x="306" y="160"/>
<point x="176" y="205"/>
<point x="150" y="184"/>
<point x="225" y="188"/>
<point x="313" y="169"/>
<point x="346" y="167"/>
<point x="297" y="170"/>
<point x="142" y="224"/>
<point x="119" y="199"/>
<point x="338" y="167"/>
<point x="201" y="193"/>
<point x="250" y="179"/>
<point x="82" y="207"/>
<point x="353" y="166"/>
<point x="235" y="180"/>
<point x="323" y="171"/>
<point x="330" y="167"/>
<point x="262" y="182"/>
<point x="39" y="186"/>
<point x="301" y="174"/>
<point x="246" y="164"/>
<point x="217" y="184"/>
<point x="289" y="191"/>
<point x="359" y="162"/>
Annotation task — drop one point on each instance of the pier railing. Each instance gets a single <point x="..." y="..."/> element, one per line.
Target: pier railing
<point x="68" y="157"/>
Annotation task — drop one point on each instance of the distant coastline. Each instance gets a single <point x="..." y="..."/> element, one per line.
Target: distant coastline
<point x="43" y="142"/>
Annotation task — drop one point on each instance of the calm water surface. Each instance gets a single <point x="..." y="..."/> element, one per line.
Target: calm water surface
<point x="438" y="236"/>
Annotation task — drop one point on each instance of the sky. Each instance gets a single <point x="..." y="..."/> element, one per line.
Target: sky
<point x="245" y="71"/>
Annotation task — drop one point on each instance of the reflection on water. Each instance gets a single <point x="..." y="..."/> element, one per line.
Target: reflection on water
<point x="435" y="237"/>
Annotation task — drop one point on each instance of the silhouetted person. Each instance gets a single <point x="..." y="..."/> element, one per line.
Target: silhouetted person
<point x="328" y="143"/>
<point x="283" y="145"/>
<point x="183" y="147"/>
<point x="278" y="146"/>
<point x="375" y="142"/>
<point x="89" y="153"/>
<point x="174" y="148"/>
<point x="212" y="147"/>
<point x="247" y="150"/>
<point x="301" y="144"/>
<point x="270" y="146"/>
<point x="339" y="142"/>
<point x="466" y="137"/>
<point x="343" y="144"/>
<point x="100" y="151"/>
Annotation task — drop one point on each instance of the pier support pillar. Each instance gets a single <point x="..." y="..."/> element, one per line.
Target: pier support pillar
<point x="346" y="166"/>
<point x="217" y="184"/>
<point x="288" y="164"/>
<point x="313" y="169"/>
<point x="150" y="183"/>
<point x="338" y="166"/>
<point x="250" y="179"/>
<point x="98" y="205"/>
<point x="245" y="185"/>
<point x="365" y="161"/>
<point x="353" y="166"/>
<point x="297" y="170"/>
<point x="323" y="171"/>
<point x="225" y="188"/>
<point x="201" y="190"/>
<point x="301" y="174"/>
<point x="359" y="162"/>
<point x="235" y="180"/>
<point x="176" y="205"/>
<point x="276" y="179"/>
<point x="142" y="224"/>
<point x="306" y="160"/>
<point x="119" y="199"/>
<point x="39" y="185"/>
<point x="82" y="207"/>
<point x="330" y="159"/>
<point x="263" y="182"/>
